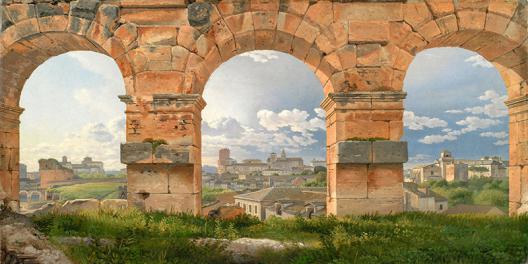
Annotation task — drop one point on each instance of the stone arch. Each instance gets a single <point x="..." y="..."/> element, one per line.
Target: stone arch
<point x="24" y="196"/>
<point x="35" y="194"/>
<point x="218" y="32"/>
<point x="498" y="31"/>
<point x="33" y="32"/>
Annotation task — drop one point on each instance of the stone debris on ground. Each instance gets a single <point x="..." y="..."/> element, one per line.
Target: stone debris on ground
<point x="248" y="250"/>
<point x="21" y="243"/>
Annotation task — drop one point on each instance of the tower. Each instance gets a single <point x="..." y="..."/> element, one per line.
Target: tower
<point x="446" y="158"/>
<point x="223" y="159"/>
<point x="283" y="154"/>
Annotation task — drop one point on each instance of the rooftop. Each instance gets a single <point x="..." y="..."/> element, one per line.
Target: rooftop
<point x="474" y="209"/>
<point x="413" y="187"/>
<point x="280" y="193"/>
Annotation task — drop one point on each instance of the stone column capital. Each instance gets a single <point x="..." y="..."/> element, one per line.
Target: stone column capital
<point x="10" y="113"/>
<point x="344" y="98"/>
<point x="163" y="101"/>
<point x="517" y="101"/>
<point x="178" y="100"/>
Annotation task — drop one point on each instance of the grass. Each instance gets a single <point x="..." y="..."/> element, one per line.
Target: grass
<point x="402" y="238"/>
<point x="210" y="195"/>
<point x="97" y="190"/>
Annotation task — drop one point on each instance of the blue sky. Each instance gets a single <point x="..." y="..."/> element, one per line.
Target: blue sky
<point x="261" y="102"/>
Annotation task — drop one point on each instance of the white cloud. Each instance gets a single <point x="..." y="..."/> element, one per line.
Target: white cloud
<point x="320" y="112"/>
<point x="501" y="142"/>
<point x="473" y="123"/>
<point x="97" y="140"/>
<point x="261" y="56"/>
<point x="83" y="96"/>
<point x="420" y="158"/>
<point x="496" y="107"/>
<point x="227" y="126"/>
<point x="296" y="120"/>
<point x="414" y="122"/>
<point x="97" y="63"/>
<point x="454" y="111"/>
<point x="479" y="61"/>
<point x="499" y="135"/>
<point x="433" y="139"/>
<point x="295" y="135"/>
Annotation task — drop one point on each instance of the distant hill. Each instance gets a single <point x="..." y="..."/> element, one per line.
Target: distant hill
<point x="209" y="169"/>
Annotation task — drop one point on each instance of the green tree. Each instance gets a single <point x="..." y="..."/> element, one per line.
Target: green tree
<point x="492" y="197"/>
<point x="318" y="169"/>
<point x="460" y="196"/>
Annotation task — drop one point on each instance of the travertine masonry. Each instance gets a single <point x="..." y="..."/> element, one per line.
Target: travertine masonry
<point x="167" y="50"/>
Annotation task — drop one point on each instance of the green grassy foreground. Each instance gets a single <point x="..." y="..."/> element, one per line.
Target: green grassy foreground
<point x="97" y="190"/>
<point x="402" y="238"/>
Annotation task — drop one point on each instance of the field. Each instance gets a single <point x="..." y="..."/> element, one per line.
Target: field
<point x="96" y="190"/>
<point x="402" y="238"/>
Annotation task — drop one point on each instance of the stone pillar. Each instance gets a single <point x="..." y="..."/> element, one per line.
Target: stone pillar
<point x="9" y="152"/>
<point x="518" y="164"/>
<point x="163" y="152"/>
<point x="364" y="155"/>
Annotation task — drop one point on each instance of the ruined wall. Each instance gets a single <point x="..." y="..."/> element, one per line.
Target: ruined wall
<point x="166" y="51"/>
<point x="51" y="171"/>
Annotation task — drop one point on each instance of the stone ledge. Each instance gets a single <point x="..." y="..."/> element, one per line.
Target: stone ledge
<point x="375" y="96"/>
<point x="143" y="153"/>
<point x="516" y="102"/>
<point x="371" y="152"/>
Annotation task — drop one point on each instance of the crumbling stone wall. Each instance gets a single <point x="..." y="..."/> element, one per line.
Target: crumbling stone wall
<point x="166" y="50"/>
<point x="50" y="170"/>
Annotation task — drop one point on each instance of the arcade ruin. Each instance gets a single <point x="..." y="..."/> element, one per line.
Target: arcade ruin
<point x="359" y="50"/>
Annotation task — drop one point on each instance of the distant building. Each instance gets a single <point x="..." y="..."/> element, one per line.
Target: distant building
<point x="424" y="173"/>
<point x="318" y="163"/>
<point x="263" y="203"/>
<point x="451" y="169"/>
<point x="280" y="165"/>
<point x="33" y="175"/>
<point x="422" y="199"/>
<point x="490" y="167"/>
<point x="87" y="166"/>
<point x="475" y="209"/>
<point x="51" y="170"/>
<point x="22" y="171"/>
<point x="285" y="163"/>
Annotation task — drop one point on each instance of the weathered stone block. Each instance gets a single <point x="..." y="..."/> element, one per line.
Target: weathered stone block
<point x="147" y="178"/>
<point x="136" y="153"/>
<point x="169" y="203"/>
<point x="185" y="179"/>
<point x="359" y="152"/>
<point x="157" y="36"/>
<point x="84" y="8"/>
<point x="46" y="9"/>
<point x="367" y="32"/>
<point x="350" y="181"/>
<point x="389" y="152"/>
<point x="172" y="154"/>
